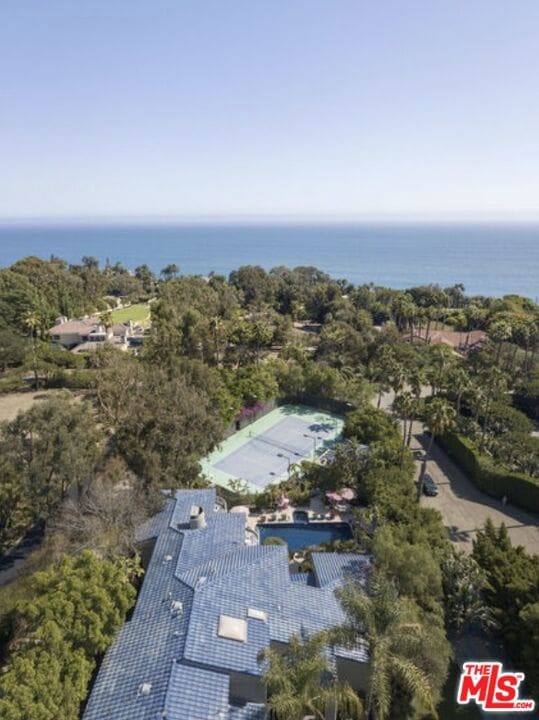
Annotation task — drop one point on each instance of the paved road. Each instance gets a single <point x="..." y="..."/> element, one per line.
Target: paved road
<point x="465" y="509"/>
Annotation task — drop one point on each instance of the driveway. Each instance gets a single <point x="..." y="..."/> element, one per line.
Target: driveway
<point x="465" y="509"/>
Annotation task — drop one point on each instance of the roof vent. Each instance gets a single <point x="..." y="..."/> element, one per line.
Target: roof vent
<point x="257" y="614"/>
<point x="167" y="558"/>
<point x="176" y="607"/>
<point x="232" y="628"/>
<point x="144" y="688"/>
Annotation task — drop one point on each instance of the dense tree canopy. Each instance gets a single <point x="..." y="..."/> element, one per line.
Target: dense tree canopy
<point x="72" y="617"/>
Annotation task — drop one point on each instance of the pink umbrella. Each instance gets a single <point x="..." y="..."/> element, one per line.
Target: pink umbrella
<point x="334" y="496"/>
<point x="348" y="494"/>
<point x="283" y="502"/>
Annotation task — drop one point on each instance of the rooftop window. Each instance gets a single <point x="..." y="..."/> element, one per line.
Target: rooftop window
<point x="232" y="628"/>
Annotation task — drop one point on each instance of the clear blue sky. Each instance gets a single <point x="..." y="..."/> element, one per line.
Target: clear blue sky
<point x="269" y="107"/>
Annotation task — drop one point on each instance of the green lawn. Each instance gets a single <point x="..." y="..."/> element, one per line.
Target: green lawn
<point x="139" y="313"/>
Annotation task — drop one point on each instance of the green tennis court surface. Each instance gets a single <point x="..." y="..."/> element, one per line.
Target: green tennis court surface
<point x="261" y="453"/>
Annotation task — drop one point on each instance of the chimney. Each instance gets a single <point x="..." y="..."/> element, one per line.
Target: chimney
<point x="197" y="519"/>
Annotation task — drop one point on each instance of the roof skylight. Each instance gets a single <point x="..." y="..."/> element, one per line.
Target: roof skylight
<point x="232" y="628"/>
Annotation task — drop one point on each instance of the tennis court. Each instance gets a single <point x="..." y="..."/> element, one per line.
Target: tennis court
<point x="262" y="453"/>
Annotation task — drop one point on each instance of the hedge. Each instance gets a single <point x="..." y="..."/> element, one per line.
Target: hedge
<point x="496" y="481"/>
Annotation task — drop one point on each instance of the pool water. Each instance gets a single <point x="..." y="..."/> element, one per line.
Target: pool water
<point x="304" y="535"/>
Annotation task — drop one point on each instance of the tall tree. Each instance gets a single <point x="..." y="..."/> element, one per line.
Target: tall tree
<point x="170" y="271"/>
<point x="383" y="622"/>
<point x="439" y="418"/>
<point x="56" y="445"/>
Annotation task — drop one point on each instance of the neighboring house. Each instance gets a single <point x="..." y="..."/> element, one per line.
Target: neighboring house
<point x="461" y="342"/>
<point x="86" y="334"/>
<point x="69" y="333"/>
<point x="208" y="605"/>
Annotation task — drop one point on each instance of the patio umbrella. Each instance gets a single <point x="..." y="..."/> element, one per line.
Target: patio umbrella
<point x="240" y="509"/>
<point x="348" y="494"/>
<point x="334" y="496"/>
<point x="283" y="502"/>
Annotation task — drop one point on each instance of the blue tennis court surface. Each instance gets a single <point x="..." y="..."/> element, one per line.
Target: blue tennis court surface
<point x="261" y="453"/>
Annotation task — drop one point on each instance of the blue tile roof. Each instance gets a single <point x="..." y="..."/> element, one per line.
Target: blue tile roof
<point x="302" y="578"/>
<point x="170" y="647"/>
<point x="328" y="567"/>
<point x="197" y="694"/>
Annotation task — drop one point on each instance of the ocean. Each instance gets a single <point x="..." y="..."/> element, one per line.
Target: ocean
<point x="494" y="259"/>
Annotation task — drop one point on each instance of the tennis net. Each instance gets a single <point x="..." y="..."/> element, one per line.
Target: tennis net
<point x="293" y="450"/>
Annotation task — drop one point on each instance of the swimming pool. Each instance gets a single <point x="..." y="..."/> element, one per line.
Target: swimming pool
<point x="304" y="535"/>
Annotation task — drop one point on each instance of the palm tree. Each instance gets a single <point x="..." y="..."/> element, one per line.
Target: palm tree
<point x="170" y="271"/>
<point x="300" y="683"/>
<point x="499" y="332"/>
<point x="416" y="380"/>
<point x="31" y="320"/>
<point x="106" y="319"/>
<point x="440" y="417"/>
<point x="403" y="406"/>
<point x="457" y="383"/>
<point x="494" y="383"/>
<point x="381" y="371"/>
<point x="441" y="360"/>
<point x="382" y="621"/>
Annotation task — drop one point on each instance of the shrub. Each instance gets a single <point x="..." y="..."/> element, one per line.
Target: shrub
<point x="74" y="380"/>
<point x="494" y="480"/>
<point x="504" y="418"/>
<point x="13" y="383"/>
<point x="274" y="541"/>
<point x="368" y="425"/>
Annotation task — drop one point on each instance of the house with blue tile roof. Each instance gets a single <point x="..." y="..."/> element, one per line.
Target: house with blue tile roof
<point x="209" y="604"/>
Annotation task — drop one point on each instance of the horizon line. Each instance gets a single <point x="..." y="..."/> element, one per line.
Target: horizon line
<point x="269" y="219"/>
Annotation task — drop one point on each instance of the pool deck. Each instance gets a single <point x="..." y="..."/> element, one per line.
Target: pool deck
<point x="315" y="508"/>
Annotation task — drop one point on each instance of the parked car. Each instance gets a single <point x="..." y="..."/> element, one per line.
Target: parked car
<point x="429" y="486"/>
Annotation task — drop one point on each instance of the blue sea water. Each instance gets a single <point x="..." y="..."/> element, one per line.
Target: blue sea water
<point x="492" y="259"/>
